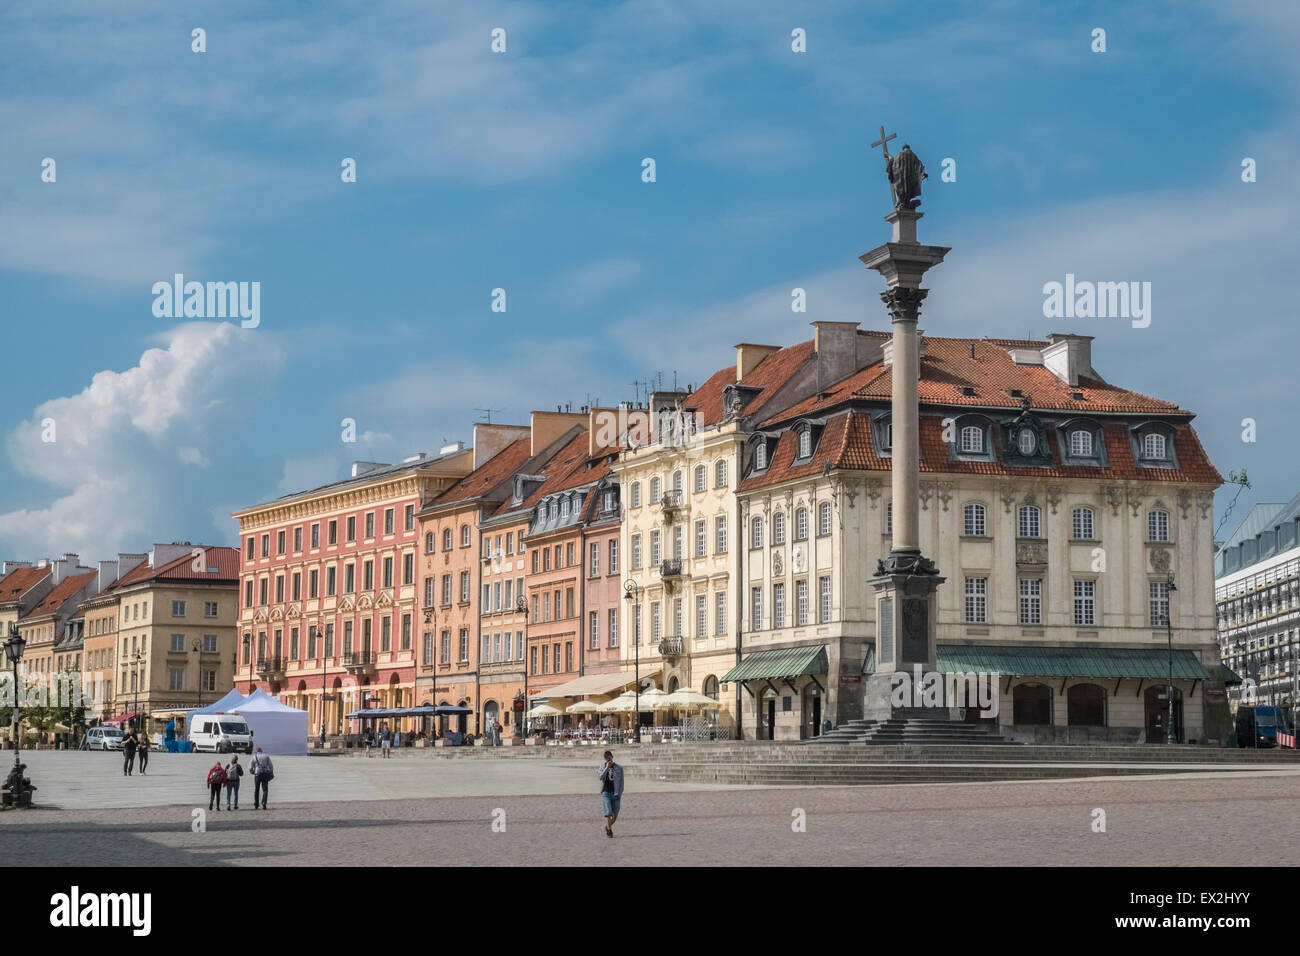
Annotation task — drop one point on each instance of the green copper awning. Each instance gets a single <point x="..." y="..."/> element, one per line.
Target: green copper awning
<point x="1229" y="675"/>
<point x="786" y="662"/>
<point x="1115" y="662"/>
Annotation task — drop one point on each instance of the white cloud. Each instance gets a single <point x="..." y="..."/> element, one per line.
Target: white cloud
<point x="112" y="466"/>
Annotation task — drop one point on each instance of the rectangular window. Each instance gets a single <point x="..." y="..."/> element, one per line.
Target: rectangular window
<point x="720" y="612"/>
<point x="756" y="609"/>
<point x="175" y="678"/>
<point x="656" y="622"/>
<point x="636" y="552"/>
<point x="556" y="655"/>
<point x="279" y="589"/>
<point x="333" y="537"/>
<point x="385" y="634"/>
<point x="347" y="638"/>
<point x="248" y="594"/>
<point x="350" y="578"/>
<point x="352" y="528"/>
<point x="388" y="521"/>
<point x="266" y="545"/>
<point x="368" y="573"/>
<point x="370" y="524"/>
<point x="315" y="536"/>
<point x="464" y="587"/>
<point x="428" y="591"/>
<point x="532" y="660"/>
<point x="1158" y="526"/>
<point x="701" y="539"/>
<point x="824" y="598"/>
<point x="519" y="645"/>
<point x="1083" y="524"/>
<point x="656" y="553"/>
<point x="720" y="534"/>
<point x="249" y="553"/>
<point x="178" y="608"/>
<point x="613" y="627"/>
<point x="297" y="538"/>
<point x="509" y="646"/>
<point x="426" y="649"/>
<point x="446" y="589"/>
<point x="1159" y="603"/>
<point x="329" y="640"/>
<point x="464" y="644"/>
<point x="264" y="584"/>
<point x="408" y="569"/>
<point x="1030" y="522"/>
<point x="778" y="605"/>
<point x="408" y="518"/>
<point x="1031" y="601"/>
<point x="311" y="643"/>
<point x="594" y="552"/>
<point x="1085" y="603"/>
<point x="510" y="549"/>
<point x="701" y="615"/>
<point x="977" y="600"/>
<point x="406" y="632"/>
<point x="331" y="580"/>
<point x="444" y="652"/>
<point x="297" y="586"/>
<point x="974" y="517"/>
<point x="178" y="642"/>
<point x="800" y="603"/>
<point x="593" y="631"/>
<point x="293" y="644"/>
<point x="613" y="556"/>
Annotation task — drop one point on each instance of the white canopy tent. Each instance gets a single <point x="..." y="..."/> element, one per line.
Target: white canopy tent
<point x="277" y="728"/>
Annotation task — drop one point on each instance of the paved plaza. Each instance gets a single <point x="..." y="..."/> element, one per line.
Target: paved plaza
<point x="413" y="811"/>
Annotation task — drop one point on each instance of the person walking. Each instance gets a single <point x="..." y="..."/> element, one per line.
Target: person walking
<point x="234" y="770"/>
<point x="129" y="743"/>
<point x="216" y="778"/>
<point x="611" y="791"/>
<point x="496" y="733"/>
<point x="385" y="742"/>
<point x="263" y="773"/>
<point x="144" y="752"/>
<point x="370" y="741"/>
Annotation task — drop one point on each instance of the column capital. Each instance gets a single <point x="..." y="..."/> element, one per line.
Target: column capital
<point x="904" y="303"/>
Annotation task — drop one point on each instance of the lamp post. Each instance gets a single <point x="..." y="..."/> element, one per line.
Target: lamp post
<point x="521" y="607"/>
<point x="135" y="692"/>
<point x="1170" y="588"/>
<point x="318" y="636"/>
<point x="431" y="630"/>
<point x="632" y="592"/>
<point x="18" y="786"/>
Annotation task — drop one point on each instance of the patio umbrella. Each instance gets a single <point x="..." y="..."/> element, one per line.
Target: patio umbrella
<point x="583" y="707"/>
<point x="691" y="698"/>
<point x="545" y="710"/>
<point x="619" y="705"/>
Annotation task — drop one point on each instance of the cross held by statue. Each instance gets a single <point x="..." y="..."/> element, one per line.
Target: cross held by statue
<point x="883" y="142"/>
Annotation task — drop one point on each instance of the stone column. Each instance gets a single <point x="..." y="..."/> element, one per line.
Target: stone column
<point x="906" y="581"/>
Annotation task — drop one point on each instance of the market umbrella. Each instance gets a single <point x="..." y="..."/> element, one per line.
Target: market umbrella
<point x="545" y="710"/>
<point x="691" y="698"/>
<point x="583" y="707"/>
<point x="619" y="705"/>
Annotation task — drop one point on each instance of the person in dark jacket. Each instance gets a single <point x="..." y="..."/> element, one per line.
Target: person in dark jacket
<point x="263" y="773"/>
<point x="611" y="790"/>
<point x="144" y="752"/>
<point x="129" y="743"/>
<point x="233" y="772"/>
<point x="216" y="779"/>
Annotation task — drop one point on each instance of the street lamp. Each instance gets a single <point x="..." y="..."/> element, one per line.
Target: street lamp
<point x="431" y="631"/>
<point x="1170" y="588"/>
<point x="317" y="636"/>
<point x="632" y="591"/>
<point x="20" y="788"/>
<point x="135" y="691"/>
<point x="521" y="607"/>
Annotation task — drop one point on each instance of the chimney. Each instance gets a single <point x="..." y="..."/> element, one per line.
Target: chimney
<point x="492" y="439"/>
<point x="9" y="566"/>
<point x="748" y="356"/>
<point x="549" y="426"/>
<point x="452" y="448"/>
<point x="162" y="553"/>
<point x="836" y="347"/>
<point x="1069" y="356"/>
<point x="360" y="468"/>
<point x="64" y="567"/>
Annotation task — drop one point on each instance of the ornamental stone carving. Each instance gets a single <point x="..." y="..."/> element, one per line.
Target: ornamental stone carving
<point x="1160" y="560"/>
<point x="1184" y="501"/>
<point x="1053" y="496"/>
<point x="1031" y="553"/>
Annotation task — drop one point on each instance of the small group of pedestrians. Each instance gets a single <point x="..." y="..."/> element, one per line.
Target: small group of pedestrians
<point x="228" y="777"/>
<point x="132" y="746"/>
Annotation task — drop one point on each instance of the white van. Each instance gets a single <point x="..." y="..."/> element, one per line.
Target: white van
<point x="221" y="733"/>
<point x="104" y="738"/>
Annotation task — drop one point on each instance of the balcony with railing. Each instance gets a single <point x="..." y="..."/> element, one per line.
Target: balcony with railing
<point x="270" y="668"/>
<point x="671" y="568"/>
<point x="359" y="662"/>
<point x="672" y="503"/>
<point x="671" y="647"/>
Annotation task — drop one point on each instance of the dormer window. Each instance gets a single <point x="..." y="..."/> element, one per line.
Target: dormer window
<point x="805" y="440"/>
<point x="1081" y="445"/>
<point x="882" y="429"/>
<point x="972" y="440"/>
<point x="1027" y="442"/>
<point x="564" y="508"/>
<point x="1154" y="446"/>
<point x="971" y="437"/>
<point x="760" y="453"/>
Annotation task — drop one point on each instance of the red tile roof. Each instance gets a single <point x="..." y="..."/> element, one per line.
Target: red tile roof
<point x="59" y="595"/>
<point x="486" y="477"/>
<point x="568" y="469"/>
<point x="847" y="443"/>
<point x="19" y="581"/>
<point x="773" y="371"/>
<point x="225" y="560"/>
<point x="985" y="366"/>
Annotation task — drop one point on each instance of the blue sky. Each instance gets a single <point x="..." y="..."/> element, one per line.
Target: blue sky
<point x="522" y="171"/>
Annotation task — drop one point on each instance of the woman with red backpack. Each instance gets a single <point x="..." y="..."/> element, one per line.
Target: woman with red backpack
<point x="216" y="780"/>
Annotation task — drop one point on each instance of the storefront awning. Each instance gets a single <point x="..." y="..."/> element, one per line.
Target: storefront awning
<point x="1230" y="677"/>
<point x="1114" y="662"/>
<point x="597" y="683"/>
<point x="784" y="662"/>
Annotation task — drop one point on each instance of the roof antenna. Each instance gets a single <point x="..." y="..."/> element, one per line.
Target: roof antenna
<point x="488" y="412"/>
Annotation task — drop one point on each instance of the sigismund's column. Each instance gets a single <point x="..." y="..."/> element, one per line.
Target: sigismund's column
<point x="906" y="581"/>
